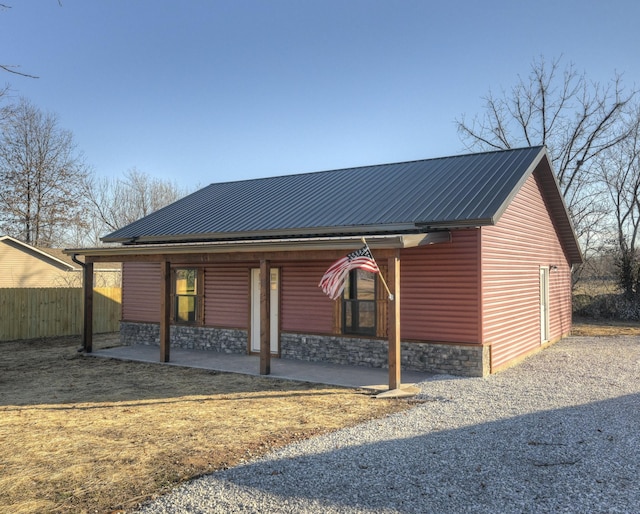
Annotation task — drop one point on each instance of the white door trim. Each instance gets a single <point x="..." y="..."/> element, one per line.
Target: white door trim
<point x="544" y="304"/>
<point x="274" y="309"/>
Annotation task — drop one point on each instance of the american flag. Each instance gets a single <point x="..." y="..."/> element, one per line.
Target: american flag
<point x="335" y="278"/>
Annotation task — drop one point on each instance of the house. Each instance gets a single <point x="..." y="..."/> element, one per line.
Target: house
<point x="477" y="251"/>
<point x="23" y="265"/>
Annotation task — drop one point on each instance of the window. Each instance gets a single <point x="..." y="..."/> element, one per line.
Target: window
<point x="359" y="303"/>
<point x="186" y="296"/>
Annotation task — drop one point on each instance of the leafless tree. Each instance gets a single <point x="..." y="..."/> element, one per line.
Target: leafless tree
<point x="41" y="175"/>
<point x="620" y="171"/>
<point x="5" y="108"/>
<point x="116" y="202"/>
<point x="575" y="118"/>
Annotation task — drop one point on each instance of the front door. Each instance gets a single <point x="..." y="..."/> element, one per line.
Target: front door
<point x="544" y="304"/>
<point x="255" y="309"/>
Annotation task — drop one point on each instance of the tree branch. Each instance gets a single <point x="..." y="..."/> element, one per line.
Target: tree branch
<point x="11" y="69"/>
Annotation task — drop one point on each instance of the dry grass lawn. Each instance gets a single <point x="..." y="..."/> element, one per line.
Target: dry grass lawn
<point x="94" y="435"/>
<point x="595" y="328"/>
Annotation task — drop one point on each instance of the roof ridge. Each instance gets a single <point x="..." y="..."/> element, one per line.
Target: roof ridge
<point x="363" y="166"/>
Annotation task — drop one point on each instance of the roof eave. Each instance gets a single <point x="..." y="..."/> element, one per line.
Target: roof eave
<point x="454" y="224"/>
<point x="39" y="252"/>
<point x="302" y="232"/>
<point x="398" y="241"/>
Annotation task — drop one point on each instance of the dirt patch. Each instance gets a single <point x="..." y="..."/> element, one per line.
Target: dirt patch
<point x="595" y="328"/>
<point x="95" y="435"/>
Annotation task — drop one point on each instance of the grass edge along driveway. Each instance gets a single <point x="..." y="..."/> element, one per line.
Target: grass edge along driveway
<point x="95" y="435"/>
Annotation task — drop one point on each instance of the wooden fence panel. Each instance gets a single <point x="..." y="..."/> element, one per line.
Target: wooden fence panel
<point x="27" y="313"/>
<point x="107" y="309"/>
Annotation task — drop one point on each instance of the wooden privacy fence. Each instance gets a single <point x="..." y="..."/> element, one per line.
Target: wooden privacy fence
<point x="27" y="313"/>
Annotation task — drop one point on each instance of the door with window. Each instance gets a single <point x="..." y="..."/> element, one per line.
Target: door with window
<point x="274" y="287"/>
<point x="544" y="304"/>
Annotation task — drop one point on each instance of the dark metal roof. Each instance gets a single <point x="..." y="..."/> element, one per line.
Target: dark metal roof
<point x="448" y="192"/>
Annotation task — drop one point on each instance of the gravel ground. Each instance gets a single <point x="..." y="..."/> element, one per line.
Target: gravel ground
<point x="558" y="433"/>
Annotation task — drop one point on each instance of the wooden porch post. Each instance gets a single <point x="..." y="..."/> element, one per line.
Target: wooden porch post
<point x="394" y="322"/>
<point x="165" y="311"/>
<point x="265" y="317"/>
<point x="87" y="315"/>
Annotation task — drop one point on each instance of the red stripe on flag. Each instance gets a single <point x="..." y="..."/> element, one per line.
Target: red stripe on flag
<point x="335" y="278"/>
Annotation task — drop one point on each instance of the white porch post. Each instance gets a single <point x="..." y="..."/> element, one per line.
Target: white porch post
<point x="394" y="322"/>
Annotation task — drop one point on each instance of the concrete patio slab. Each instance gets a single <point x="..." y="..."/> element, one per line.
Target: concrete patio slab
<point x="287" y="369"/>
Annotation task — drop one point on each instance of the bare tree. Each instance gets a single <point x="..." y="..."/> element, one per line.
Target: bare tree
<point x="41" y="175"/>
<point x="116" y="202"/>
<point x="620" y="170"/>
<point x="5" y="108"/>
<point x="576" y="119"/>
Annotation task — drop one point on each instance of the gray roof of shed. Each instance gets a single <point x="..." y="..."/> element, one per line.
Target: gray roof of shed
<point x="448" y="192"/>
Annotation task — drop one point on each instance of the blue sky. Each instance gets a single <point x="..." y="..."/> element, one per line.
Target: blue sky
<point x="210" y="91"/>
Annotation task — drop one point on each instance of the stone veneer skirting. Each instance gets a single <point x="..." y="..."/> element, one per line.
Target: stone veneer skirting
<point x="465" y="360"/>
<point x="224" y="340"/>
<point x="456" y="359"/>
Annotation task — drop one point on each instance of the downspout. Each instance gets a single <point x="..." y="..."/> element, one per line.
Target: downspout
<point x="82" y="265"/>
<point x="74" y="259"/>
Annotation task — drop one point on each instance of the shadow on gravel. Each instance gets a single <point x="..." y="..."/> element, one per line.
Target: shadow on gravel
<point x="578" y="459"/>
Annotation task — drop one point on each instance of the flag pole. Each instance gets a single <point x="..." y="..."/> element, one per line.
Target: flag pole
<point x="384" y="282"/>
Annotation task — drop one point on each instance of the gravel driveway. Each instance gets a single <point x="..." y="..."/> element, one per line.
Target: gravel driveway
<point x="558" y="433"/>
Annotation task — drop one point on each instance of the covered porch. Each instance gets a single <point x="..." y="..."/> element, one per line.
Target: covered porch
<point x="261" y="254"/>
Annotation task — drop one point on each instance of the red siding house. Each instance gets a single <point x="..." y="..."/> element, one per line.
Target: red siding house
<point x="477" y="251"/>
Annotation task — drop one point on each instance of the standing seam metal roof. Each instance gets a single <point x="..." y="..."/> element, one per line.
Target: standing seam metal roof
<point x="457" y="191"/>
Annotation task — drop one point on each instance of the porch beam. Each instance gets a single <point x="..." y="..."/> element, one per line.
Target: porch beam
<point x="165" y="311"/>
<point x="394" y="322"/>
<point x="87" y="315"/>
<point x="265" y="317"/>
<point x="235" y="256"/>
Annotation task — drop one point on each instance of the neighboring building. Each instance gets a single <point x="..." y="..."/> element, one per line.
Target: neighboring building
<point x="481" y="246"/>
<point x="23" y="265"/>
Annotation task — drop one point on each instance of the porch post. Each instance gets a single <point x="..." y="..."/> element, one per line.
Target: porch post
<point x="165" y="310"/>
<point x="265" y="317"/>
<point x="394" y="322"/>
<point x="87" y="315"/>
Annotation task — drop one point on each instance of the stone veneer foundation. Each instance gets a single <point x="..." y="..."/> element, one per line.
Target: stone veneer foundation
<point x="455" y="359"/>
<point x="465" y="360"/>
<point x="222" y="340"/>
